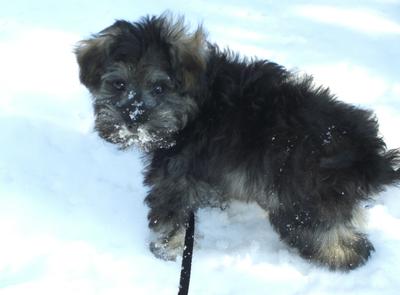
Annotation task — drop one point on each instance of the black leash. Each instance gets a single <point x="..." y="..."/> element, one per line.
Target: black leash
<point x="187" y="257"/>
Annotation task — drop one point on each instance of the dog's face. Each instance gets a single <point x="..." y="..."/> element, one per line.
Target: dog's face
<point x="145" y="79"/>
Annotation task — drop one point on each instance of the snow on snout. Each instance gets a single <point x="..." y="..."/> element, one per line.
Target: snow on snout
<point x="137" y="111"/>
<point x="131" y="94"/>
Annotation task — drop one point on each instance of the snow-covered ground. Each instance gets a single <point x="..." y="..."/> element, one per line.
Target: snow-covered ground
<point x="72" y="218"/>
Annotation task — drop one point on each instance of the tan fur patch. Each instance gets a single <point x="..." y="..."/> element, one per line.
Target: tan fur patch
<point x="190" y="48"/>
<point x="91" y="54"/>
<point x="334" y="244"/>
<point x="98" y="41"/>
<point x="171" y="248"/>
<point x="241" y="187"/>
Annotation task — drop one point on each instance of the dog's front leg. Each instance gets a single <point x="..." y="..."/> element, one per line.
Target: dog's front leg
<point x="170" y="203"/>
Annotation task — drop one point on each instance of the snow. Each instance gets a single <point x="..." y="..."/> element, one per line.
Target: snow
<point x="131" y="94"/>
<point x="138" y="110"/>
<point x="72" y="218"/>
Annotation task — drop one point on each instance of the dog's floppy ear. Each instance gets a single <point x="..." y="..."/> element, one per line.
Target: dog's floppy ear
<point x="93" y="53"/>
<point x="188" y="54"/>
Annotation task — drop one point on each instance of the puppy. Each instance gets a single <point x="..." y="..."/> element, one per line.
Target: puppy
<point x="216" y="127"/>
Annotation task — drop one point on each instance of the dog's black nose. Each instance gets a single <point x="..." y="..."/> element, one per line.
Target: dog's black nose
<point x="127" y="99"/>
<point x="133" y="111"/>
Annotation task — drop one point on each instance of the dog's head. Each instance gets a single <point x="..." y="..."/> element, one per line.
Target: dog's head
<point x="145" y="79"/>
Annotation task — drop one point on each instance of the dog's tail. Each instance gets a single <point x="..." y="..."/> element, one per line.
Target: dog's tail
<point x="391" y="167"/>
<point x="376" y="170"/>
<point x="381" y="170"/>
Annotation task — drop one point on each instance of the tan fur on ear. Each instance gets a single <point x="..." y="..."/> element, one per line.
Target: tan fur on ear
<point x="195" y="45"/>
<point x="194" y="56"/>
<point x="188" y="49"/>
<point x="91" y="55"/>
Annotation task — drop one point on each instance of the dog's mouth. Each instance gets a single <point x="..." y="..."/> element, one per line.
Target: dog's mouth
<point x="131" y="128"/>
<point x="149" y="141"/>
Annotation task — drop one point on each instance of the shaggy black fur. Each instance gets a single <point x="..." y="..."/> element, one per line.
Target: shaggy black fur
<point x="216" y="127"/>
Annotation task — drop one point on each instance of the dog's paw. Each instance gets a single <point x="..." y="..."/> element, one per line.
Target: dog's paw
<point x="362" y="250"/>
<point x="348" y="254"/>
<point x="168" y="248"/>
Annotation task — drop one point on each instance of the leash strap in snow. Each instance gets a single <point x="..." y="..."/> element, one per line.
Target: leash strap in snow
<point x="187" y="257"/>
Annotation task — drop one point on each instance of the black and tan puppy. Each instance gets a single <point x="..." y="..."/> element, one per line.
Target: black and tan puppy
<point x="216" y="127"/>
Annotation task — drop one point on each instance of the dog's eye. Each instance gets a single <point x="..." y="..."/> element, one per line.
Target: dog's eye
<point x="120" y="85"/>
<point x="158" y="89"/>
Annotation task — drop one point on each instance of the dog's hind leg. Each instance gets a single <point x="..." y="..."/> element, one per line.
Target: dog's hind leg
<point x="337" y="244"/>
<point x="319" y="198"/>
